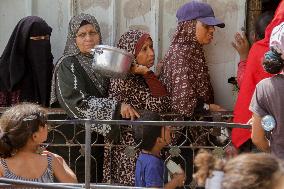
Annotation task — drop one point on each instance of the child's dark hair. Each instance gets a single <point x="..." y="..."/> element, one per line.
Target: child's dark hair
<point x="261" y="23"/>
<point x="272" y="62"/>
<point x="147" y="134"/>
<point x="17" y="125"/>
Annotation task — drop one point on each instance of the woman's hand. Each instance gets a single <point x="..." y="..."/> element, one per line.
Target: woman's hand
<point x="215" y="108"/>
<point x="128" y="111"/>
<point x="241" y="44"/>
<point x="159" y="68"/>
<point x="139" y="69"/>
<point x="178" y="179"/>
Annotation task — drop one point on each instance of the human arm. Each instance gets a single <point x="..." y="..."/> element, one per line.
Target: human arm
<point x="61" y="170"/>
<point x="154" y="176"/>
<point x="183" y="90"/>
<point x="241" y="45"/>
<point x="177" y="181"/>
<point x="215" y="108"/>
<point x="1" y="171"/>
<point x="204" y="108"/>
<point x="80" y="97"/>
<point x="258" y="134"/>
<point x="258" y="108"/>
<point x="117" y="92"/>
<point x="159" y="68"/>
<point x="241" y="71"/>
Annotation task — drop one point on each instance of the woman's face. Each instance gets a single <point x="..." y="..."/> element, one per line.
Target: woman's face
<point x="204" y="33"/>
<point x="146" y="56"/>
<point x="87" y="38"/>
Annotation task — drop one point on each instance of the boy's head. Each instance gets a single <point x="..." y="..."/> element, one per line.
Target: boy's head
<point x="149" y="135"/>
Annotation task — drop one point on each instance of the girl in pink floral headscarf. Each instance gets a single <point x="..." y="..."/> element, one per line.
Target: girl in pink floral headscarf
<point x="143" y="91"/>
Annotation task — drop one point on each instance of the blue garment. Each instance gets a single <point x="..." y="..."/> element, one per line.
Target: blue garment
<point x="149" y="171"/>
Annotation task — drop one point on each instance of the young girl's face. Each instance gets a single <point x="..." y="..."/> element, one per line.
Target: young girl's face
<point x="42" y="133"/>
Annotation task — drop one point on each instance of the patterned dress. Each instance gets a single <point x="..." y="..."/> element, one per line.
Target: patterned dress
<point x="83" y="94"/>
<point x="133" y="90"/>
<point x="185" y="73"/>
<point x="186" y="77"/>
<point x="80" y="91"/>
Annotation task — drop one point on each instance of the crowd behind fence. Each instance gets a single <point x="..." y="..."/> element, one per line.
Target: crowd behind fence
<point x="67" y="139"/>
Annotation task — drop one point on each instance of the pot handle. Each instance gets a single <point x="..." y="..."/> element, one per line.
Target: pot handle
<point x="97" y="51"/>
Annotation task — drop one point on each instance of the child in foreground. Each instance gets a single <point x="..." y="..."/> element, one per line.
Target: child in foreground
<point x="246" y="171"/>
<point x="150" y="167"/>
<point x="22" y="129"/>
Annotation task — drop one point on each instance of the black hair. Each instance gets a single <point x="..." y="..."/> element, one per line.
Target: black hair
<point x="147" y="134"/>
<point x="84" y="22"/>
<point x="17" y="124"/>
<point x="270" y="5"/>
<point x="261" y="23"/>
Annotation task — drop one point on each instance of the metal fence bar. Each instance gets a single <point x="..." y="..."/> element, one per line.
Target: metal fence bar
<point x="153" y="123"/>
<point x="88" y="124"/>
<point x="35" y="184"/>
<point x="87" y="154"/>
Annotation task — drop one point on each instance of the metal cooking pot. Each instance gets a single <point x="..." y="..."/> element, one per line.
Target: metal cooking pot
<point x="111" y="61"/>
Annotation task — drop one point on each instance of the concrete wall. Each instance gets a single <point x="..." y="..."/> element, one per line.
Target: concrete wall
<point x="154" y="16"/>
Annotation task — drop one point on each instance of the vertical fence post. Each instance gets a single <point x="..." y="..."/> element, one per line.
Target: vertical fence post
<point x="87" y="154"/>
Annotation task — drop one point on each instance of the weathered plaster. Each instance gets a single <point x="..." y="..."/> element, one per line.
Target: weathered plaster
<point x="86" y="4"/>
<point x="140" y="27"/>
<point x="136" y="8"/>
<point x="105" y="30"/>
<point x="171" y="6"/>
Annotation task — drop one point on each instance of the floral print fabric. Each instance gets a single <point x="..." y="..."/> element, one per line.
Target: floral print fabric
<point x="185" y="73"/>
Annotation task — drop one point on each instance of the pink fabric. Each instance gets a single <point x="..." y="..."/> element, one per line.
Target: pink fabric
<point x="241" y="71"/>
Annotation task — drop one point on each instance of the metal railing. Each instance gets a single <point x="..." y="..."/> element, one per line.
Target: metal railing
<point x="89" y="124"/>
<point x="86" y="145"/>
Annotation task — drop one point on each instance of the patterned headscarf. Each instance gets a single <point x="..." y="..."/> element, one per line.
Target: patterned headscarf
<point x="131" y="41"/>
<point x="185" y="73"/>
<point x="71" y="49"/>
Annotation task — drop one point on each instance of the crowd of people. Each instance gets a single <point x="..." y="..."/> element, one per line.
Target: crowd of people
<point x="181" y="85"/>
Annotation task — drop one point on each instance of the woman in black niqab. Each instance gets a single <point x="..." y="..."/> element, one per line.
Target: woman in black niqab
<point x="26" y="64"/>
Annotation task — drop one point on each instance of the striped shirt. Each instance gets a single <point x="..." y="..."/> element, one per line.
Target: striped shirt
<point x="46" y="177"/>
